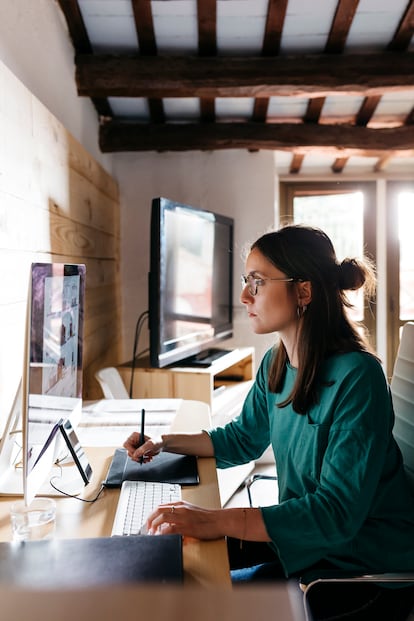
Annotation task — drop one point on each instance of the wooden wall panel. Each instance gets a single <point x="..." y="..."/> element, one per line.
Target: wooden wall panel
<point x="56" y="204"/>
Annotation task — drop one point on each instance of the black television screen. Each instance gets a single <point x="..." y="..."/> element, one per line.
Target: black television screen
<point x="190" y="282"/>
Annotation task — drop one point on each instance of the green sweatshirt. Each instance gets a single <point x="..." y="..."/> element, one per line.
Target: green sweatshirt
<point x="343" y="495"/>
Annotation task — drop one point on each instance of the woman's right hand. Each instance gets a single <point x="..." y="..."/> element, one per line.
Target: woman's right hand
<point x="147" y="450"/>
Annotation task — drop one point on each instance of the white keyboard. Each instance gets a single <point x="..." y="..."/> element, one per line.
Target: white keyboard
<point x="137" y="500"/>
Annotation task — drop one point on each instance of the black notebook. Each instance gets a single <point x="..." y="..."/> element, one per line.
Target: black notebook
<point x="83" y="563"/>
<point x="164" y="468"/>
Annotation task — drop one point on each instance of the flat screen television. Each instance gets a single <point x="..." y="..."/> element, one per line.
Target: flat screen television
<point x="190" y="283"/>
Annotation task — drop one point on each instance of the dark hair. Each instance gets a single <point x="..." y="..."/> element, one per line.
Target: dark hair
<point x="307" y="253"/>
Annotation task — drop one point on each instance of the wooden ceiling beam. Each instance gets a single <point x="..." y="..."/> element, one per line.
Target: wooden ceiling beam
<point x="207" y="46"/>
<point x="207" y="18"/>
<point x="314" y="110"/>
<point x="144" y="27"/>
<point x="76" y="26"/>
<point x="261" y="105"/>
<point x="381" y="163"/>
<point x="341" y="140"/>
<point x="308" y="75"/>
<point x="82" y="45"/>
<point x="405" y="30"/>
<point x="344" y="15"/>
<point x="276" y="13"/>
<point x="367" y="109"/>
<point x="339" y="164"/>
<point x="275" y="20"/>
<point x="296" y="163"/>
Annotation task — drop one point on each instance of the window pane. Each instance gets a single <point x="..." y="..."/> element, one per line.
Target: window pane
<point x="341" y="217"/>
<point x="405" y="234"/>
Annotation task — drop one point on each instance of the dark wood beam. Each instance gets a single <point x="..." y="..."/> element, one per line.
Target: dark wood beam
<point x="207" y="110"/>
<point x="344" y="15"/>
<point x="276" y="13"/>
<point x="76" y="26"/>
<point x="381" y="163"/>
<point x="405" y="30"/>
<point x="367" y="109"/>
<point x="261" y="105"/>
<point x="342" y="21"/>
<point x="410" y="117"/>
<point x="307" y="75"/>
<point x="144" y="27"/>
<point x="82" y="44"/>
<point x="314" y="110"/>
<point x="275" y="19"/>
<point x="207" y="16"/>
<point x="207" y="46"/>
<point x="296" y="163"/>
<point x="339" y="164"/>
<point x="343" y="140"/>
<point x="156" y="108"/>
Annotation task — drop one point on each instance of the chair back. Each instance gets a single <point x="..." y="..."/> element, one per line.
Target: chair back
<point x="402" y="389"/>
<point x="111" y="383"/>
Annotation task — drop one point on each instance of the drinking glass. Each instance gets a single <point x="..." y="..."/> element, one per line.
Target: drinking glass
<point x="35" y="521"/>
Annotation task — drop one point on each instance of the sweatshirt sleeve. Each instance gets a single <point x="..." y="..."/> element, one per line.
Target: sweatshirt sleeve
<point x="246" y="437"/>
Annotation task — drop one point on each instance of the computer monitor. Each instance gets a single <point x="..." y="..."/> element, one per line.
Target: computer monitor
<point x="51" y="388"/>
<point x="190" y="283"/>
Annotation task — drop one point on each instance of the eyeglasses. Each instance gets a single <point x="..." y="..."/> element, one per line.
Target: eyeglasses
<point x="252" y="283"/>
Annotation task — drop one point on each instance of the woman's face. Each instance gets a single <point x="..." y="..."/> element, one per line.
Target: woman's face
<point x="274" y="307"/>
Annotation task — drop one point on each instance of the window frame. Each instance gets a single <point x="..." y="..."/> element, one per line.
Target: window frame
<point x="394" y="323"/>
<point x="289" y="190"/>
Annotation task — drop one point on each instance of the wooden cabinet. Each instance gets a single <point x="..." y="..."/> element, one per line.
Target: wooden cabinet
<point x="226" y="381"/>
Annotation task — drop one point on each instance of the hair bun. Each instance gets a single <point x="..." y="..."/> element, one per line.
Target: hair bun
<point x="352" y="274"/>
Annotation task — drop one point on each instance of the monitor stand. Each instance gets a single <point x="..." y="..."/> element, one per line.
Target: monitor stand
<point x="66" y="477"/>
<point x="67" y="481"/>
<point x="204" y="359"/>
<point x="11" y="445"/>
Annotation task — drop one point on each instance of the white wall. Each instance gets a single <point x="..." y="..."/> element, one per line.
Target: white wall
<point x="234" y="183"/>
<point x="35" y="46"/>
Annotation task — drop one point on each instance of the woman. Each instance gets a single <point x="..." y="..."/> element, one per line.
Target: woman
<point x="321" y="400"/>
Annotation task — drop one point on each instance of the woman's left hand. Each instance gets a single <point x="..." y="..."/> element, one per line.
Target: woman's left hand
<point x="185" y="519"/>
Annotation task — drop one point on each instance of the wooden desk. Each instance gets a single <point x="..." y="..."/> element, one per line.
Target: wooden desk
<point x="205" y="562"/>
<point x="277" y="602"/>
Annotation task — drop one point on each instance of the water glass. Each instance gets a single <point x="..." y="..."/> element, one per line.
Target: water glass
<point x="35" y="521"/>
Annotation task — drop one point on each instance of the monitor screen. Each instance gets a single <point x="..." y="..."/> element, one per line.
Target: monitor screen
<point x="52" y="378"/>
<point x="190" y="281"/>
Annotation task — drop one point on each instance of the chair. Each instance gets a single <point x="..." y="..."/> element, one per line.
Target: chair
<point x="111" y="383"/>
<point x="402" y="389"/>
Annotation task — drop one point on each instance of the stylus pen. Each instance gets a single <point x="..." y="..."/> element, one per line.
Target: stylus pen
<point x="142" y="437"/>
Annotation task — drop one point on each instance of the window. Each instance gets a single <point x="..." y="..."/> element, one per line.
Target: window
<point x="400" y="262"/>
<point x="346" y="212"/>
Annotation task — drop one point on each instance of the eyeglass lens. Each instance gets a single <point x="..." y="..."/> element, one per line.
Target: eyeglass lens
<point x="250" y="282"/>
